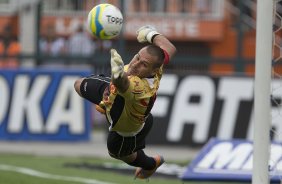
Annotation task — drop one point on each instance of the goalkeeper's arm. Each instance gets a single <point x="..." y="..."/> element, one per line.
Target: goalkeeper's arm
<point x="150" y="34"/>
<point x="119" y="77"/>
<point x="121" y="83"/>
<point x="165" y="44"/>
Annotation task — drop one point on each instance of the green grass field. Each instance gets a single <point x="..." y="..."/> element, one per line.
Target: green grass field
<point x="28" y="169"/>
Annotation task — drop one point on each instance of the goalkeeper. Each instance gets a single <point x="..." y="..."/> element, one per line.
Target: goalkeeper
<point x="127" y="97"/>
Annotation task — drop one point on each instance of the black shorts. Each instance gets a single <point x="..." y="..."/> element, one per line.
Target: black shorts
<point x="119" y="146"/>
<point x="92" y="88"/>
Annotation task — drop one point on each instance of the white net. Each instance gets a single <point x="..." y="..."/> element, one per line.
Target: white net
<point x="276" y="87"/>
<point x="275" y="163"/>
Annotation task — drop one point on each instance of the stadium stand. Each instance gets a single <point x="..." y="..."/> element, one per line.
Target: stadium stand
<point x="200" y="29"/>
<point x="9" y="48"/>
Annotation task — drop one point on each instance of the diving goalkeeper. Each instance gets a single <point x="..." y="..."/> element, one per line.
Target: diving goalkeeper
<point x="127" y="97"/>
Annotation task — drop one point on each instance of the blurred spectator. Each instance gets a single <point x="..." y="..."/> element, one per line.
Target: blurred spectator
<point x="192" y="7"/>
<point x="146" y="6"/>
<point x="77" y="4"/>
<point x="245" y="6"/>
<point x="105" y="46"/>
<point x="172" y="6"/>
<point x="9" y="49"/>
<point x="201" y="7"/>
<point x="139" y="5"/>
<point x="196" y="7"/>
<point x="157" y="6"/>
<point x="52" y="45"/>
<point x="80" y="43"/>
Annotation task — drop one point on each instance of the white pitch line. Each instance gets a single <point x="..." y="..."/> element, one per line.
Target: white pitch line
<point x="32" y="172"/>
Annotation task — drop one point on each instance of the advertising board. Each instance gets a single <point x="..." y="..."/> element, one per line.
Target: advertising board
<point x="41" y="104"/>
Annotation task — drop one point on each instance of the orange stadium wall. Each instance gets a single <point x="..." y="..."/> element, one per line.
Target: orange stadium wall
<point x="228" y="48"/>
<point x="249" y="51"/>
<point x="177" y="28"/>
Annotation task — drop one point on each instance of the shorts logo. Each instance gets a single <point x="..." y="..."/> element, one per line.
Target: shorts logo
<point x="85" y="86"/>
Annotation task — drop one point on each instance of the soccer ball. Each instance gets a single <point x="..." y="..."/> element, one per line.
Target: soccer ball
<point x="105" y="21"/>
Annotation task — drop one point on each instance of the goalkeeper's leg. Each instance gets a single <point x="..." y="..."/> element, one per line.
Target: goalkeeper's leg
<point x="130" y="150"/>
<point x="92" y="87"/>
<point x="146" y="165"/>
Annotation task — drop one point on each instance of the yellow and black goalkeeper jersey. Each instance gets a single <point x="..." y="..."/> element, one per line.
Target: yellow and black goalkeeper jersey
<point x="127" y="111"/>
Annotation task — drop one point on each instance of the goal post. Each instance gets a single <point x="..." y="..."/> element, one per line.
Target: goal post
<point x="262" y="109"/>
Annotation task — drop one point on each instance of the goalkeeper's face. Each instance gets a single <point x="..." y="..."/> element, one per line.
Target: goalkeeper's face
<point x="142" y="64"/>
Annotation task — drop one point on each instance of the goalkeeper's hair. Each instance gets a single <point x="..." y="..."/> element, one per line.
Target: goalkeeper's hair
<point x="156" y="51"/>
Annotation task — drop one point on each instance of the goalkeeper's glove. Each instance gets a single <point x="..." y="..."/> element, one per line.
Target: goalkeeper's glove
<point x="116" y="64"/>
<point x="146" y="34"/>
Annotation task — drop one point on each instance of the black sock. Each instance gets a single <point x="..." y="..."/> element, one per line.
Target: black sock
<point x="143" y="161"/>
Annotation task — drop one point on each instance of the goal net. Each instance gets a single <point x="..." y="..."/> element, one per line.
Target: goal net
<point x="276" y="85"/>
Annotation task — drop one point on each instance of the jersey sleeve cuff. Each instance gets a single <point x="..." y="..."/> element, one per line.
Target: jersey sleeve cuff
<point x="166" y="57"/>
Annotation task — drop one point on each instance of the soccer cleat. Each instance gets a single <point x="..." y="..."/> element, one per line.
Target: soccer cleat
<point x="144" y="174"/>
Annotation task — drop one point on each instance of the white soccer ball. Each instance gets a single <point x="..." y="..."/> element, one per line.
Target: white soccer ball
<point x="105" y="21"/>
